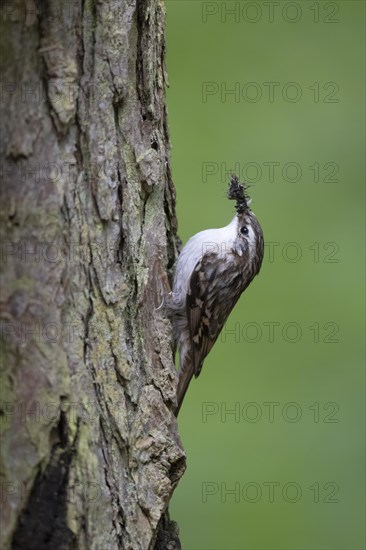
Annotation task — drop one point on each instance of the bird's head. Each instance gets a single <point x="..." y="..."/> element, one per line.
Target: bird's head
<point x="249" y="237"/>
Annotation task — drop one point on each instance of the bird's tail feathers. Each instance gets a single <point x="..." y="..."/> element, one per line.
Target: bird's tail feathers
<point x="185" y="376"/>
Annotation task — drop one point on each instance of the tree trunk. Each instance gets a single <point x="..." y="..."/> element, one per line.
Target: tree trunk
<point x="90" y="449"/>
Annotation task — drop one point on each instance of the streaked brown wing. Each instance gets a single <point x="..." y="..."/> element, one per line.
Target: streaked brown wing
<point x="210" y="298"/>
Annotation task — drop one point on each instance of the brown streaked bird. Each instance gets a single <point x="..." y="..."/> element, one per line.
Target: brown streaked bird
<point x="213" y="269"/>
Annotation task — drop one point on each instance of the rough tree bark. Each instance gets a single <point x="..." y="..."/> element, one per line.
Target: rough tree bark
<point x="90" y="448"/>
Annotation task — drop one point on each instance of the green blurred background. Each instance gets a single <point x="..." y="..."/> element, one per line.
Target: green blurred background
<point x="308" y="446"/>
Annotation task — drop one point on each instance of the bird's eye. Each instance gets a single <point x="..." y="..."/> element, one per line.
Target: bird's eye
<point x="244" y="230"/>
